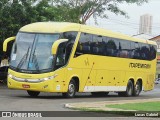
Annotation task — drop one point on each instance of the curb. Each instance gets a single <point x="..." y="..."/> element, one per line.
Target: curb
<point x="101" y="105"/>
<point x="68" y="106"/>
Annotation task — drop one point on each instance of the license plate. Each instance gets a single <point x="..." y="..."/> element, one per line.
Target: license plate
<point x="25" y="86"/>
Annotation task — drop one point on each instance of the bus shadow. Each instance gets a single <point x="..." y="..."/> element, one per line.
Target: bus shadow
<point x="76" y="97"/>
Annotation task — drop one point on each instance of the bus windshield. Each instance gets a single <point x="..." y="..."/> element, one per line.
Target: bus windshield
<point x="32" y="52"/>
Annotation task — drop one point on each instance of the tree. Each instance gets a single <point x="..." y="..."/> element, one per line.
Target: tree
<point x="16" y="13"/>
<point x="82" y="10"/>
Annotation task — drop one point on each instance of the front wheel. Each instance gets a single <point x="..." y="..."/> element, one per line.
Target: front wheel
<point x="5" y="81"/>
<point x="71" y="90"/>
<point x="33" y="93"/>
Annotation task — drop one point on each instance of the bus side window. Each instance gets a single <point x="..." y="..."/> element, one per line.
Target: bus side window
<point x="60" y="59"/>
<point x="111" y="48"/>
<point x="152" y="52"/>
<point x="97" y="46"/>
<point x="71" y="36"/>
<point x="125" y="49"/>
<point x="118" y="47"/>
<point x="144" y="50"/>
<point x="136" y="50"/>
<point x="84" y="44"/>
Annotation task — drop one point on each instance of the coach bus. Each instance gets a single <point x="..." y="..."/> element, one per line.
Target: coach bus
<point x="67" y="58"/>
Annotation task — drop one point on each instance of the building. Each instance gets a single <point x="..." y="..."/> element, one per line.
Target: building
<point x="143" y="36"/>
<point x="145" y="25"/>
<point x="157" y="40"/>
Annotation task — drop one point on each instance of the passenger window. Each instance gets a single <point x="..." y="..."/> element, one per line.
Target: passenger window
<point x="125" y="49"/>
<point x="84" y="44"/>
<point x="144" y="50"/>
<point x="97" y="46"/>
<point x="112" y="47"/>
<point x="136" y="51"/>
<point x="152" y="52"/>
<point x="60" y="59"/>
<point x="71" y="36"/>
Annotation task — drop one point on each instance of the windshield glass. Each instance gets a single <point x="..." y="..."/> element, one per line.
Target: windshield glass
<point x="32" y="52"/>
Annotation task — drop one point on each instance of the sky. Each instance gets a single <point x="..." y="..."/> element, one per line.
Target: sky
<point x="130" y="26"/>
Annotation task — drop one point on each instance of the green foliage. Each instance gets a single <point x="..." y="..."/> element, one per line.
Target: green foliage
<point x="82" y="10"/>
<point x="146" y="106"/>
<point x="17" y="13"/>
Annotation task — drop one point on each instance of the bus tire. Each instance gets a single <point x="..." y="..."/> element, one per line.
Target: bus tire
<point x="33" y="93"/>
<point x="137" y="88"/>
<point x="71" y="90"/>
<point x="99" y="94"/>
<point x="5" y="81"/>
<point x="129" y="90"/>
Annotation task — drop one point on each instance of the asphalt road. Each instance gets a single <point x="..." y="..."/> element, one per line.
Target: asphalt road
<point x="18" y="100"/>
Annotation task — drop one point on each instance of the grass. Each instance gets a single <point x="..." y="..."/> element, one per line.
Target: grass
<point x="146" y="106"/>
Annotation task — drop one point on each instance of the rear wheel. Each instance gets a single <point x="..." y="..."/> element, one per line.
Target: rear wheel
<point x="71" y="90"/>
<point x="129" y="90"/>
<point x="33" y="93"/>
<point x="99" y="94"/>
<point x="137" y="88"/>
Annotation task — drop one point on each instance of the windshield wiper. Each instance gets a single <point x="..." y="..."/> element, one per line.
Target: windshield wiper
<point x="34" y="59"/>
<point x="24" y="58"/>
<point x="36" y="62"/>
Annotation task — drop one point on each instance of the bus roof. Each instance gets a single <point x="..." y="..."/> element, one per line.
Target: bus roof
<point x="58" y="27"/>
<point x="50" y="27"/>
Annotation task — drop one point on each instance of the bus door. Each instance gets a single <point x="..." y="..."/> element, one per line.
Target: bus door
<point x="58" y="51"/>
<point x="84" y="61"/>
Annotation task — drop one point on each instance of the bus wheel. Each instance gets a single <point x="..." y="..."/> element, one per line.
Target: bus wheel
<point x="137" y="89"/>
<point x="33" y="93"/>
<point x="99" y="94"/>
<point x="71" y="90"/>
<point x="129" y="90"/>
<point x="5" y="81"/>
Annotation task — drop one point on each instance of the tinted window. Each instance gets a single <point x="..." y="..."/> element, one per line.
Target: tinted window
<point x="98" y="45"/>
<point x="84" y="44"/>
<point x="152" y="54"/>
<point x="71" y="36"/>
<point x="135" y="50"/>
<point x="112" y="47"/>
<point x="107" y="46"/>
<point x="144" y="51"/>
<point x="124" y="49"/>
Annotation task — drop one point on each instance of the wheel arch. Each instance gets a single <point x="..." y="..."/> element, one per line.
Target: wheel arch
<point x="75" y="78"/>
<point x="141" y="82"/>
<point x="132" y="79"/>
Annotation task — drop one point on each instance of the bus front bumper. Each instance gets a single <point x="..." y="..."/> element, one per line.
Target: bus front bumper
<point x="44" y="86"/>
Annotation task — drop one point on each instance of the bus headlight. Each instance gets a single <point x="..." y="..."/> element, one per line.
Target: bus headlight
<point x="46" y="78"/>
<point x="49" y="78"/>
<point x="10" y="76"/>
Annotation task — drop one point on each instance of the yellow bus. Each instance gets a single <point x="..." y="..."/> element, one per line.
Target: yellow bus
<point x="67" y="58"/>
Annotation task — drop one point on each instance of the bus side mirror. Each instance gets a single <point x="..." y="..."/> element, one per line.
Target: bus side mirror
<point x="56" y="45"/>
<point x="5" y="43"/>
